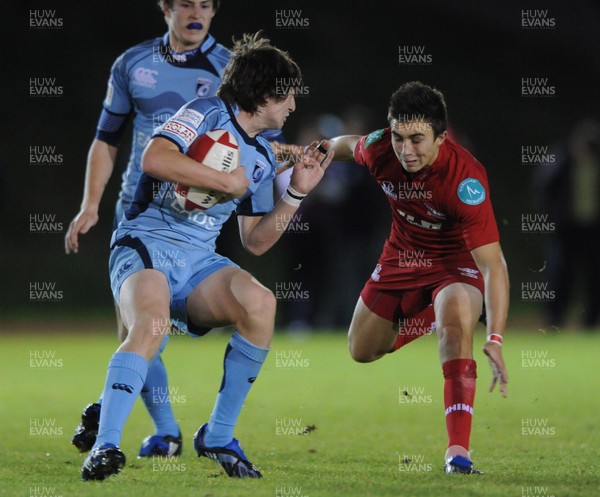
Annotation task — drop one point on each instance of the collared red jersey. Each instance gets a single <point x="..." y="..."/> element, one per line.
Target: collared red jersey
<point x="156" y="210"/>
<point x="152" y="83"/>
<point x="440" y="213"/>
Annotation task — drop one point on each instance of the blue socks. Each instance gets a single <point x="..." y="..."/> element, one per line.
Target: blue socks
<point x="157" y="398"/>
<point x="124" y="380"/>
<point x="241" y="366"/>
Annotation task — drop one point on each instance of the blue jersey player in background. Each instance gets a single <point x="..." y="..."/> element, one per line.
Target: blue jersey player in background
<point x="209" y="290"/>
<point x="150" y="82"/>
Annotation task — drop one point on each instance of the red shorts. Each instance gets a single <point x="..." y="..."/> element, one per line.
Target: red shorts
<point x="388" y="294"/>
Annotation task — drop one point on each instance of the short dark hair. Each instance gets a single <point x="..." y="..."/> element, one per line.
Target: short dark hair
<point x="418" y="101"/>
<point x="256" y="72"/>
<point x="169" y="4"/>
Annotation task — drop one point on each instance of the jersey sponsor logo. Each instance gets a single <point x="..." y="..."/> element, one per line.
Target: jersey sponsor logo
<point x="373" y="137"/>
<point x="471" y="192"/>
<point x="433" y="212"/>
<point x="188" y="135"/>
<point x="420" y="222"/>
<point x="259" y="170"/>
<point x="388" y="188"/>
<point x="145" y="77"/>
<point x="191" y="116"/>
<point x="375" y="275"/>
<point x="203" y="87"/>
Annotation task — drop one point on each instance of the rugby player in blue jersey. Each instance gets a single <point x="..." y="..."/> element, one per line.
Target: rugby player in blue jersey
<point x="148" y="82"/>
<point x="209" y="290"/>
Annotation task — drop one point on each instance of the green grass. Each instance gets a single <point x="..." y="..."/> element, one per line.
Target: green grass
<point x="362" y="430"/>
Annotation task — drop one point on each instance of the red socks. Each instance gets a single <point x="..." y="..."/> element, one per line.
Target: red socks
<point x="459" y="394"/>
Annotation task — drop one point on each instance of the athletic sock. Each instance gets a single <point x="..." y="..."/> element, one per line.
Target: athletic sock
<point x="415" y="327"/>
<point x="241" y="366"/>
<point x="157" y="396"/>
<point x="459" y="395"/>
<point x="124" y="380"/>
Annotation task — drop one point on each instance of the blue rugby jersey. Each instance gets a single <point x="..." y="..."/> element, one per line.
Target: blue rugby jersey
<point x="155" y="209"/>
<point x="151" y="82"/>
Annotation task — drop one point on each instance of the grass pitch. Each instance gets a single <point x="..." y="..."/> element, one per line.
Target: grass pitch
<point x="316" y="423"/>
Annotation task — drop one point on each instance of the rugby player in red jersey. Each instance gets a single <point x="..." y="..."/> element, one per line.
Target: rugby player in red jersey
<point x="442" y="256"/>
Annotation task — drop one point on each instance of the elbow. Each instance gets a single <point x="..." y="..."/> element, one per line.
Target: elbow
<point x="150" y="162"/>
<point x="255" y="248"/>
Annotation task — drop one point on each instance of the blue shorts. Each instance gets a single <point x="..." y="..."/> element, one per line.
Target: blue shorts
<point x="120" y="207"/>
<point x="184" y="265"/>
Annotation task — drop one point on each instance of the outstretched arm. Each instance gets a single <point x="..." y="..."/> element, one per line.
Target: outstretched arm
<point x="259" y="234"/>
<point x="288" y="154"/>
<point x="344" y="146"/>
<point x="491" y="263"/>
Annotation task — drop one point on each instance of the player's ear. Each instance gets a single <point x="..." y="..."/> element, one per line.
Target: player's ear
<point x="441" y="137"/>
<point x="166" y="9"/>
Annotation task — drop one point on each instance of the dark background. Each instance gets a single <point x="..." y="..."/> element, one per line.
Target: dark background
<point x="349" y="57"/>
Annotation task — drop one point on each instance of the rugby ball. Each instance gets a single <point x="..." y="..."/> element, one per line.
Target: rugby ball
<point x="217" y="149"/>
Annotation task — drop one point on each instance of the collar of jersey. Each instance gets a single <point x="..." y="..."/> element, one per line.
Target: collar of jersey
<point x="206" y="46"/>
<point x="233" y="112"/>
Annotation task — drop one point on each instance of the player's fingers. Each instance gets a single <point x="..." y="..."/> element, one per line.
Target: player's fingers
<point x="71" y="244"/>
<point x="310" y="150"/>
<point x="503" y="388"/>
<point x="327" y="160"/>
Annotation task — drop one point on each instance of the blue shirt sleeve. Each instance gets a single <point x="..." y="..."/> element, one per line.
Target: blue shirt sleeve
<point x="117" y="106"/>
<point x="260" y="203"/>
<point x="192" y="120"/>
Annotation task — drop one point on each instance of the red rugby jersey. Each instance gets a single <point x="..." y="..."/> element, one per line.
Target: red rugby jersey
<point x="442" y="212"/>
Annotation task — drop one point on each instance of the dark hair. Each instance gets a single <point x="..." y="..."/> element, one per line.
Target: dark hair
<point x="418" y="101"/>
<point x="169" y="4"/>
<point x="257" y="71"/>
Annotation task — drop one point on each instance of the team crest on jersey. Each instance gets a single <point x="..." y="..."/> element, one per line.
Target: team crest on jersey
<point x="388" y="188"/>
<point x="471" y="192"/>
<point x="203" y="86"/>
<point x="373" y="137"/>
<point x="259" y="170"/>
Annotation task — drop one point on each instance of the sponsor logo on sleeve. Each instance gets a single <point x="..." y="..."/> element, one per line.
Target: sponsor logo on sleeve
<point x="191" y="116"/>
<point x="471" y="192"/>
<point x="373" y="137"/>
<point x="180" y="130"/>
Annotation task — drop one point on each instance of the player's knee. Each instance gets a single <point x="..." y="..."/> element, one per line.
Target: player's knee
<point x="450" y="338"/>
<point x="261" y="303"/>
<point x="360" y="353"/>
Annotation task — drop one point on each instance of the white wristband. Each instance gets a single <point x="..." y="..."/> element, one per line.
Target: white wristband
<point x="292" y="197"/>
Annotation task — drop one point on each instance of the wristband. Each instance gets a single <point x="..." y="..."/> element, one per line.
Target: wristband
<point x="292" y="197"/>
<point x="495" y="338"/>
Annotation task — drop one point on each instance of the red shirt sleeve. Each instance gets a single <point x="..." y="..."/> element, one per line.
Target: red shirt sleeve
<point x="359" y="152"/>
